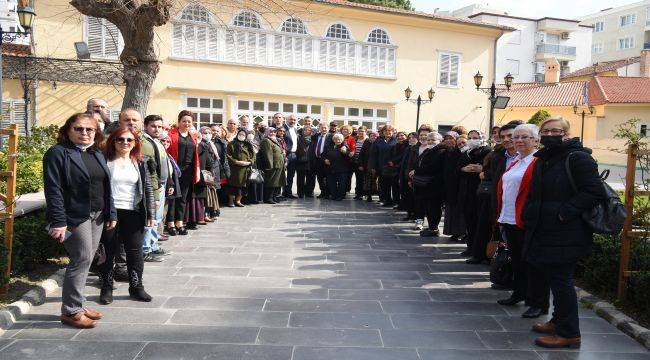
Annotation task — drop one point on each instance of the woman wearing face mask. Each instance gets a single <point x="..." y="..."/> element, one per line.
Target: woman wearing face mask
<point x="428" y="194"/>
<point x="255" y="191"/>
<point x="224" y="167"/>
<point x="337" y="160"/>
<point x="306" y="178"/>
<point x="471" y="165"/>
<point x="272" y="162"/>
<point x="241" y="156"/>
<point x="206" y="194"/>
<point x="454" y="225"/>
<point x="556" y="237"/>
<point x="407" y="164"/>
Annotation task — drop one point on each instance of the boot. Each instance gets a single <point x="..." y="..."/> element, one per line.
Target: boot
<point x="106" y="293"/>
<point x="136" y="289"/>
<point x="556" y="341"/>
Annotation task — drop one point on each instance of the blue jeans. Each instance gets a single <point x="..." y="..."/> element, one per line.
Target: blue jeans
<point x="151" y="233"/>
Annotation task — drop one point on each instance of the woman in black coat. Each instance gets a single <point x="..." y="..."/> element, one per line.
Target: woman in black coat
<point x="396" y="157"/>
<point x="556" y="237"/>
<point x="305" y="175"/>
<point x="428" y="196"/>
<point x="337" y="161"/>
<point x="454" y="219"/>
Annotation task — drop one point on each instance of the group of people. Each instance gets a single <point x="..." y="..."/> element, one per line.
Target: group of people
<point x="115" y="190"/>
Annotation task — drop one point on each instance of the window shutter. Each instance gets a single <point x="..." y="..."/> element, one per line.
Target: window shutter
<point x="213" y="44"/>
<point x="322" y="55"/>
<point x="350" y="56"/>
<point x="190" y="42"/>
<point x="454" y="69"/>
<point x="374" y="53"/>
<point x="444" y="69"/>
<point x="111" y="39"/>
<point x="309" y="53"/>
<point x="230" y="46"/>
<point x="261" y="49"/>
<point x="297" y="52"/>
<point x="201" y="42"/>
<point x="94" y="36"/>
<point x="177" y="40"/>
<point x="331" y="56"/>
<point x="251" y="48"/>
<point x="382" y="61"/>
<point x="240" y="41"/>
<point x="287" y="52"/>
<point x="391" y="62"/>
<point x="277" y="50"/>
<point x="365" y="54"/>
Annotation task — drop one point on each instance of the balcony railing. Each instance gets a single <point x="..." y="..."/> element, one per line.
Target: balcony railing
<point x="556" y="49"/>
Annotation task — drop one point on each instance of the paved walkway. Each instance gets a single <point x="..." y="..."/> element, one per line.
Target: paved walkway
<point x="307" y="280"/>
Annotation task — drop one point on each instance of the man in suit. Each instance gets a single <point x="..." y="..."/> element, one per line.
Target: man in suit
<point x="291" y="139"/>
<point x="321" y="141"/>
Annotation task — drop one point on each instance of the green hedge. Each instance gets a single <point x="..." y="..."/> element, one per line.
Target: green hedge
<point x="599" y="274"/>
<point x="31" y="246"/>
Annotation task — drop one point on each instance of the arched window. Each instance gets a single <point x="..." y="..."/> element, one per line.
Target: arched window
<point x="338" y="31"/>
<point x="294" y="26"/>
<point x="196" y="13"/>
<point x="378" y="36"/>
<point x="247" y="19"/>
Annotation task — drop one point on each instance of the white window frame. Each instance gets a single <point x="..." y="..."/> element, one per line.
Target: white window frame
<point x="388" y="37"/>
<point x="197" y="110"/>
<point x="289" y="18"/>
<point x="211" y="49"/>
<point x="375" y="120"/>
<point x="628" y="43"/>
<point x="120" y="41"/>
<point x="442" y="53"/>
<point x="599" y="28"/>
<point x="512" y="62"/>
<point x="268" y="114"/>
<point x="255" y="15"/>
<point x="11" y="116"/>
<point x="327" y="30"/>
<point x="598" y="48"/>
<point x="515" y="40"/>
<point x="627" y="20"/>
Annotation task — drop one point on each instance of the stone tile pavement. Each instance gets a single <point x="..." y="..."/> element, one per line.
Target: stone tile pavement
<point x="307" y="280"/>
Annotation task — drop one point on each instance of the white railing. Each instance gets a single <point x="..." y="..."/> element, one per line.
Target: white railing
<point x="287" y="51"/>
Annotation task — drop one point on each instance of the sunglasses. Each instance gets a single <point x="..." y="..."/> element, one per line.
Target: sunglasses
<point x="81" y="129"/>
<point x="125" y="140"/>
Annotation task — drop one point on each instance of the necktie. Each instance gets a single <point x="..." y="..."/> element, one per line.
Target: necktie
<point x="318" y="145"/>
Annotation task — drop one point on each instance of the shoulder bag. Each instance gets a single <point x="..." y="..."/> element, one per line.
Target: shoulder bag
<point x="256" y="176"/>
<point x="501" y="267"/>
<point x="208" y="177"/>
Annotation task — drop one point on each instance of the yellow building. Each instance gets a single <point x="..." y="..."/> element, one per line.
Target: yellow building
<point x="331" y="59"/>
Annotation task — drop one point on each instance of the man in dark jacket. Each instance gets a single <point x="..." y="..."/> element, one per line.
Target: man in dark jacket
<point x="321" y="141"/>
<point x="556" y="236"/>
<point x="379" y="158"/>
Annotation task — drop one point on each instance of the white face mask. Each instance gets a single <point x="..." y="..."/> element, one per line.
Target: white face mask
<point x="250" y="137"/>
<point x="473" y="143"/>
<point x="241" y="137"/>
<point x="206" y="137"/>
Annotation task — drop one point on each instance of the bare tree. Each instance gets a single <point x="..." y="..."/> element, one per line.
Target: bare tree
<point x="137" y="20"/>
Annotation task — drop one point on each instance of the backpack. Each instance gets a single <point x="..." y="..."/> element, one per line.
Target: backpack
<point x="609" y="214"/>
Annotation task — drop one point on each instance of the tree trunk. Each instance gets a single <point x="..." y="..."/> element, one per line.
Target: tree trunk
<point x="139" y="79"/>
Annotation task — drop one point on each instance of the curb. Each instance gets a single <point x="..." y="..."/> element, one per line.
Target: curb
<point x="615" y="317"/>
<point x="10" y="314"/>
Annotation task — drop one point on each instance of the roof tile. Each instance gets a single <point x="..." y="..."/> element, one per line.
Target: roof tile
<point x="619" y="90"/>
<point x="545" y="94"/>
<point x="602" y="67"/>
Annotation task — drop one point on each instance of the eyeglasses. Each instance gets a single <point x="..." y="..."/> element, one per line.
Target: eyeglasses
<point x="81" y="129"/>
<point x="552" y="132"/>
<point x="522" y="137"/>
<point x="125" y="140"/>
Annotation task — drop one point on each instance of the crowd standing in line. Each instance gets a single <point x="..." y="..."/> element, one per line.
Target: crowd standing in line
<point x="111" y="202"/>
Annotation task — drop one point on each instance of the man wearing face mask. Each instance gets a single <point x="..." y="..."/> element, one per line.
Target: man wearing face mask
<point x="471" y="165"/>
<point x="556" y="237"/>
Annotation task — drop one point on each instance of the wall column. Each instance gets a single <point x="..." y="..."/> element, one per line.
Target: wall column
<point x="231" y="108"/>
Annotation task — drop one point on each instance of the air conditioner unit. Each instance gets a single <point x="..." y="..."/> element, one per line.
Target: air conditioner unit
<point x="565" y="36"/>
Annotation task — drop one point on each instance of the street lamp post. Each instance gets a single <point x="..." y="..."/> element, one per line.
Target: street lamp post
<point x="26" y="17"/>
<point x="583" y="113"/>
<point x="419" y="101"/>
<point x="492" y="91"/>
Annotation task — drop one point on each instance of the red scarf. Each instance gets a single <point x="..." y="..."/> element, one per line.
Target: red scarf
<point x="524" y="189"/>
<point x="173" y="152"/>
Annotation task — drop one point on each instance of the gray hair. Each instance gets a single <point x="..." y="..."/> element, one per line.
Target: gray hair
<point x="434" y="135"/>
<point x="337" y="136"/>
<point x="531" y="128"/>
<point x="89" y="104"/>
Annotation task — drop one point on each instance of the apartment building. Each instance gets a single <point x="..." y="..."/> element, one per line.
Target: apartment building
<point x="620" y="32"/>
<point x="525" y="51"/>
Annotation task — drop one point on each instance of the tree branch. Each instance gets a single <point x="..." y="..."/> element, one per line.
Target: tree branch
<point x="111" y="10"/>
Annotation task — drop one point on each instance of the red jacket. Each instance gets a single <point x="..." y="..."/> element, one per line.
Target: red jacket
<point x="524" y="189"/>
<point x="351" y="143"/>
<point x="173" y="152"/>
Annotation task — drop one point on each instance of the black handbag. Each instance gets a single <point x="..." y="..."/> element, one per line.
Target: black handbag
<point x="422" y="181"/>
<point x="501" y="268"/>
<point x="256" y="176"/>
<point x="484" y="188"/>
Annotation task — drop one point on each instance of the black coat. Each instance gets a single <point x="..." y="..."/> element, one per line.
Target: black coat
<point x="408" y="163"/>
<point x="67" y="185"/>
<point x="207" y="161"/>
<point x="431" y="163"/>
<point x="468" y="182"/>
<point x="380" y="154"/>
<point x="364" y="155"/>
<point x="303" y="153"/>
<point x="339" y="162"/>
<point x="224" y="167"/>
<point x="173" y="181"/>
<point x="555" y="232"/>
<point x="451" y="175"/>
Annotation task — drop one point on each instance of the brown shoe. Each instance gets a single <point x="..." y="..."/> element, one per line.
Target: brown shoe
<point x="544" y="328"/>
<point x="555" y="341"/>
<point x="78" y="320"/>
<point x="92" y="314"/>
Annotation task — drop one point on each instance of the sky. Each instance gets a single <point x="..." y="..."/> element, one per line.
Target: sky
<point x="554" y="8"/>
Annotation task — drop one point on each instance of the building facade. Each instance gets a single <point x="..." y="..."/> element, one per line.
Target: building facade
<point x="525" y="51"/>
<point x="332" y="60"/>
<point x="620" y="32"/>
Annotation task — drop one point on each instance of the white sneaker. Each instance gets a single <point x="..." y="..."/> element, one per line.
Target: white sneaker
<point x="419" y="224"/>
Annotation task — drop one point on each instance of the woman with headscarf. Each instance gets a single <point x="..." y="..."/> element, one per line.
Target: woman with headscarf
<point x="454" y="219"/>
<point x="224" y="167"/>
<point x="255" y="190"/>
<point x="240" y="159"/>
<point x="272" y="163"/>
<point x="471" y="165"/>
<point x="209" y="158"/>
<point x="427" y="179"/>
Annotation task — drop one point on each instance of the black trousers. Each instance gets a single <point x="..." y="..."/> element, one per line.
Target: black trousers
<point x="359" y="177"/>
<point x="470" y="211"/>
<point x="385" y="187"/>
<point x="348" y="181"/>
<point x="291" y="172"/>
<point x="484" y="228"/>
<point x="180" y="205"/>
<point x="337" y="183"/>
<point x="305" y="181"/>
<point x="270" y="193"/>
<point x="254" y="193"/>
<point x="321" y="176"/>
<point x="538" y="287"/>
<point x="565" y="301"/>
<point x="130" y="233"/>
<point x="171" y="208"/>
<point x="406" y="197"/>
<point x="515" y="239"/>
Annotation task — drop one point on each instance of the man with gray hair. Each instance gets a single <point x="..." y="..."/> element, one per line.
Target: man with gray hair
<point x="100" y="106"/>
<point x="291" y="139"/>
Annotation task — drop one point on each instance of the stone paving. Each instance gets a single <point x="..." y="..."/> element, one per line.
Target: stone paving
<point x="307" y="280"/>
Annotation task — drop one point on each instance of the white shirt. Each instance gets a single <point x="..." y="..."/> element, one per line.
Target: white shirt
<point x="123" y="184"/>
<point x="510" y="183"/>
<point x="294" y="138"/>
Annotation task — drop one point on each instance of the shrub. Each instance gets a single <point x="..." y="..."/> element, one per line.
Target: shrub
<point x="538" y="117"/>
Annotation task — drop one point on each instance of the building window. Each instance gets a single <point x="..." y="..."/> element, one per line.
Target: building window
<point x="626" y="43"/>
<point x="644" y="130"/>
<point x="448" y="69"/>
<point x="512" y="66"/>
<point x="103" y="38"/>
<point x="515" y="37"/>
<point x="208" y="110"/>
<point x="598" y="48"/>
<point x="647" y="16"/>
<point x="293" y="26"/>
<point x="247" y="19"/>
<point x="372" y="118"/>
<point x="627" y="20"/>
<point x="338" y="31"/>
<point x="13" y="112"/>
<point x="293" y="51"/>
<point x="378" y="36"/>
<point x="246" y="47"/>
<point x="263" y="111"/>
<point x="193" y="36"/>
<point x="598" y="26"/>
